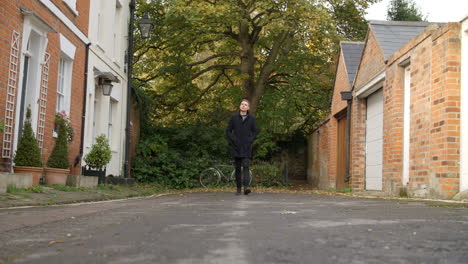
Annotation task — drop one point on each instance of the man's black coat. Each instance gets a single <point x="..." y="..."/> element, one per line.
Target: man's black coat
<point x="242" y="133"/>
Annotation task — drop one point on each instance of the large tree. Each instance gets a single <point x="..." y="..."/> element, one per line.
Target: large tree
<point x="404" y="10"/>
<point x="204" y="55"/>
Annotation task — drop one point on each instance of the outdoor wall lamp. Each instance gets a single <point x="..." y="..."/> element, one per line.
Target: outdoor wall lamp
<point x="106" y="86"/>
<point x="347" y="95"/>
<point x="145" y="25"/>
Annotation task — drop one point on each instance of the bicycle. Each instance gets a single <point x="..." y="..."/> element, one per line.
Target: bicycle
<point x="213" y="176"/>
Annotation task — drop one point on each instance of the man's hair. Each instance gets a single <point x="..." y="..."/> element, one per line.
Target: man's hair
<point x="245" y="100"/>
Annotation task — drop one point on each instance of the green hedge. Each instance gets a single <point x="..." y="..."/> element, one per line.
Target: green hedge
<point x="267" y="174"/>
<point x="175" y="157"/>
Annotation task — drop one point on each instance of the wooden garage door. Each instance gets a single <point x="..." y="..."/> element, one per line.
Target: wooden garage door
<point x="341" y="155"/>
<point x="374" y="141"/>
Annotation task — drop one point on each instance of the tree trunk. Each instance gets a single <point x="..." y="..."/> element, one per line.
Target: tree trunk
<point x="247" y="61"/>
<point x="258" y="90"/>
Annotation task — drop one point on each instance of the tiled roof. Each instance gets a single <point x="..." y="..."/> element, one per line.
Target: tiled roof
<point x="352" y="52"/>
<point x="392" y="35"/>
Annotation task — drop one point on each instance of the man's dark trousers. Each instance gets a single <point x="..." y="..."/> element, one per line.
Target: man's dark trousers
<point x="242" y="163"/>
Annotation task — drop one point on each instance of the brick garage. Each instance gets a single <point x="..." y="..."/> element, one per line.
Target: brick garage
<point x="327" y="151"/>
<point x="420" y="142"/>
<point x="432" y="59"/>
<point x="13" y="20"/>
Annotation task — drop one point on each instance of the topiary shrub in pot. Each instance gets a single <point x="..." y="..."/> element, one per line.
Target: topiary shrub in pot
<point x="27" y="158"/>
<point x="98" y="158"/>
<point x="57" y="169"/>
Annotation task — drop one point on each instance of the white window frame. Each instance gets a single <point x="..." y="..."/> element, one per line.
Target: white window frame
<point x="67" y="56"/>
<point x="100" y="25"/>
<point x="117" y="34"/>
<point x="62" y="74"/>
<point x="94" y="125"/>
<point x="111" y="121"/>
<point x="64" y="77"/>
<point x="406" y="124"/>
<point x="72" y="5"/>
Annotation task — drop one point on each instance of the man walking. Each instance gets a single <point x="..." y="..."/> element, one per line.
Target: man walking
<point x="242" y="131"/>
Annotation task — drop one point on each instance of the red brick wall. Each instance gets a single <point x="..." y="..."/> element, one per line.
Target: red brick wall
<point x="435" y="114"/>
<point x="341" y="84"/>
<point x="358" y="144"/>
<point x="13" y="20"/>
<point x="319" y="160"/>
<point x="444" y="147"/>
<point x="372" y="61"/>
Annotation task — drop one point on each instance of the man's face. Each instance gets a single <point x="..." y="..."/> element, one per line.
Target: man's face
<point x="244" y="106"/>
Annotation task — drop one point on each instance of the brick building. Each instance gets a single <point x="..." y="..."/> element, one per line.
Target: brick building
<point x="42" y="65"/>
<point x="407" y="113"/>
<point x="327" y="143"/>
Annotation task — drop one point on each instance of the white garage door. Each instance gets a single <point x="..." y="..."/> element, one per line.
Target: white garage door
<point x="374" y="140"/>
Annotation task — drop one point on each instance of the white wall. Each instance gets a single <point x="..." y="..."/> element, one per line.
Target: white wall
<point x="464" y="109"/>
<point x="105" y="30"/>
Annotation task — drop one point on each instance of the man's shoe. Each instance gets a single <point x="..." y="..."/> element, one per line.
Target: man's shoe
<point x="247" y="191"/>
<point x="239" y="192"/>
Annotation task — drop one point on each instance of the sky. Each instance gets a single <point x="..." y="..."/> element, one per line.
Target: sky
<point x="436" y="10"/>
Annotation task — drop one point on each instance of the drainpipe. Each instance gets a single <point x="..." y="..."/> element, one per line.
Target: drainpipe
<point x="83" y="117"/>
<point x="349" y="98"/>
<point x="129" y="87"/>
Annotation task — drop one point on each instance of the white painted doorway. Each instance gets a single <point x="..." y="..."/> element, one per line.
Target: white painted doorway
<point x="374" y="141"/>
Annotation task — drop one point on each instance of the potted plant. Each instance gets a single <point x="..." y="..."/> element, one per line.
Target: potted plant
<point x="57" y="169"/>
<point x="28" y="155"/>
<point x="97" y="159"/>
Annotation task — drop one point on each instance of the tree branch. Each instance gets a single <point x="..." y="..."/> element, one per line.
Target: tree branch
<point x="228" y="78"/>
<point x="225" y="54"/>
<point x="206" y="89"/>
<point x="212" y="67"/>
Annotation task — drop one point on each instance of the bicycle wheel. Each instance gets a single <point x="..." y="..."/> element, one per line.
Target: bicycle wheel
<point x="233" y="177"/>
<point x="209" y="177"/>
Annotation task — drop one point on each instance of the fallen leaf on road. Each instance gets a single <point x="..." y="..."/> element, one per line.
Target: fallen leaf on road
<point x="370" y="230"/>
<point x="55" y="242"/>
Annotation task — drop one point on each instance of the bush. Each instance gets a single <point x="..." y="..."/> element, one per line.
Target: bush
<point x="264" y="146"/>
<point x="267" y="174"/>
<point x="59" y="156"/>
<point x="100" y="153"/>
<point x="2" y="125"/>
<point x="175" y="157"/>
<point x="28" y="152"/>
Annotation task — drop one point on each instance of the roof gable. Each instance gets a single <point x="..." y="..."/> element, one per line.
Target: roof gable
<point x="352" y="53"/>
<point x="392" y="35"/>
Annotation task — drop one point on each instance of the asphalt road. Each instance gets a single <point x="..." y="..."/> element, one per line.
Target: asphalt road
<point x="224" y="228"/>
